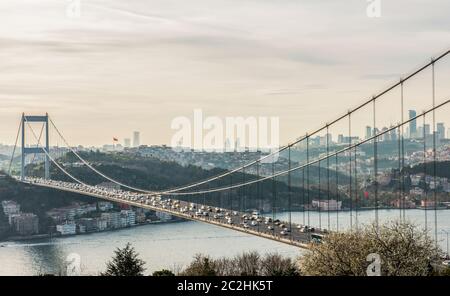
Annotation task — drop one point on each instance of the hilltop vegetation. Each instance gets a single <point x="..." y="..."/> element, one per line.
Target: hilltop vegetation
<point x="153" y="174"/>
<point x="442" y="169"/>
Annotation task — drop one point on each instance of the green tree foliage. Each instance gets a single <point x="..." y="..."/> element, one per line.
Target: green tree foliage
<point x="201" y="266"/>
<point x="154" y="174"/>
<point x="442" y="169"/>
<point x="404" y="249"/>
<point x="163" y="272"/>
<point x="245" y="264"/>
<point x="126" y="262"/>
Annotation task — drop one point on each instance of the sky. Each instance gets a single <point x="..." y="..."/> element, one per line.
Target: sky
<point x="132" y="65"/>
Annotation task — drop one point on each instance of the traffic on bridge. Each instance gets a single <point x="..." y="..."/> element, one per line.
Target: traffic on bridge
<point x="252" y="223"/>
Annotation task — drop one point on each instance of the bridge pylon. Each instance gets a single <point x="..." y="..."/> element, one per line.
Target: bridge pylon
<point x="35" y="150"/>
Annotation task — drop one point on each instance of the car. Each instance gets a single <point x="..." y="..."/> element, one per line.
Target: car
<point x="283" y="232"/>
<point x="245" y="225"/>
<point x="446" y="262"/>
<point x="254" y="223"/>
<point x="270" y="227"/>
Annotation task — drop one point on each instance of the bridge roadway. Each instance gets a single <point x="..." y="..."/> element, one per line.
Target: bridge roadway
<point x="295" y="237"/>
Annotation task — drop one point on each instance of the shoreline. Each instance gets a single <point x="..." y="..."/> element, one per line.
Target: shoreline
<point x="48" y="235"/>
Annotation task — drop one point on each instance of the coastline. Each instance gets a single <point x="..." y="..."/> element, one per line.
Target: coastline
<point x="48" y="235"/>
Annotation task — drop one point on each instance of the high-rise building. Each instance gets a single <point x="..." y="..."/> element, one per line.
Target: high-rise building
<point x="368" y="132"/>
<point x="427" y="129"/>
<point x="126" y="142"/>
<point x="440" y="129"/>
<point x="420" y="132"/>
<point x="448" y="133"/>
<point x="386" y="136"/>
<point x="136" y="140"/>
<point x="393" y="134"/>
<point x="412" y="124"/>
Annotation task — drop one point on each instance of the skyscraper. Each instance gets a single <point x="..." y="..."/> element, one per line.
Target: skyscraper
<point x="440" y="129"/>
<point x="412" y="125"/>
<point x="368" y="132"/>
<point x="136" y="136"/>
<point x="427" y="129"/>
<point x="126" y="142"/>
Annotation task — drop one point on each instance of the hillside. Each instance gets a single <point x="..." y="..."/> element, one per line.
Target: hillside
<point x="153" y="174"/>
<point x="442" y="169"/>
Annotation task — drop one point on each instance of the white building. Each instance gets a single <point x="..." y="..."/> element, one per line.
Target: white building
<point x="105" y="206"/>
<point x="102" y="224"/>
<point x="327" y="205"/>
<point x="10" y="207"/>
<point x="128" y="218"/>
<point x="136" y="139"/>
<point x="67" y="228"/>
<point x="163" y="216"/>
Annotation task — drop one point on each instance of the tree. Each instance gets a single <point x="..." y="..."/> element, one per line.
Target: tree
<point x="201" y="266"/>
<point x="125" y="263"/>
<point x="245" y="264"/>
<point x="404" y="250"/>
<point x="163" y="272"/>
<point x="276" y="265"/>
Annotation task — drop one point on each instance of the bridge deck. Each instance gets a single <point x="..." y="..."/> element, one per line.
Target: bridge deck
<point x="294" y="238"/>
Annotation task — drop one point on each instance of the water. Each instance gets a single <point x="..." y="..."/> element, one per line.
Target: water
<point x="169" y="246"/>
<point x="423" y="219"/>
<point x="173" y="245"/>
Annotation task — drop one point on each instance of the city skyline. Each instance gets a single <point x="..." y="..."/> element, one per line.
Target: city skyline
<point x="180" y="59"/>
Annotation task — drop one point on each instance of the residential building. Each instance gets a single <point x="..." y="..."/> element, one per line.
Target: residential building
<point x="10" y="207"/>
<point x="105" y="206"/>
<point x="136" y="139"/>
<point x="67" y="228"/>
<point x="327" y="205"/>
<point x="25" y="223"/>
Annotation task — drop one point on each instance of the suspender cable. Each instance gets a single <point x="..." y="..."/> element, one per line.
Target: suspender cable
<point x="414" y="73"/>
<point x="375" y="164"/>
<point x="303" y="197"/>
<point x="350" y="168"/>
<point x="399" y="195"/>
<point x="14" y="149"/>
<point x="307" y="179"/>
<point x="434" y="154"/>
<point x="337" y="194"/>
<point x="328" y="176"/>
<point x="425" y="172"/>
<point x="274" y="198"/>
<point x="289" y="192"/>
<point x="356" y="189"/>
<point x="314" y="162"/>
<point x="319" y="197"/>
<point x="402" y="199"/>
<point x="50" y="157"/>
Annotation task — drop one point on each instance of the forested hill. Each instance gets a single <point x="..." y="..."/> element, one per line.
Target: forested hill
<point x="442" y="169"/>
<point x="154" y="174"/>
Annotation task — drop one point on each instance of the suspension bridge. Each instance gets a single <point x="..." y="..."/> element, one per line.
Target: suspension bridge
<point x="330" y="180"/>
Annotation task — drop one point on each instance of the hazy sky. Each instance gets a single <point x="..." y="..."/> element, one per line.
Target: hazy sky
<point x="137" y="64"/>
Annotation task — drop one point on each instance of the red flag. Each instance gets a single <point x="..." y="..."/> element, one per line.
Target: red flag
<point x="366" y="194"/>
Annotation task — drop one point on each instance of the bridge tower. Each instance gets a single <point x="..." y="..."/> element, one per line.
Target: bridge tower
<point x="31" y="150"/>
